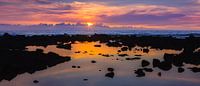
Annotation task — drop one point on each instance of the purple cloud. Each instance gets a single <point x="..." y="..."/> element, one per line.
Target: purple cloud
<point x="130" y="18"/>
<point x="42" y="2"/>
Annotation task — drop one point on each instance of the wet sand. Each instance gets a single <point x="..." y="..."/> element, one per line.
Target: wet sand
<point x="98" y="59"/>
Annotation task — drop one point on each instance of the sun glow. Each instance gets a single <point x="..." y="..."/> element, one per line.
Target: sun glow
<point x="89" y="24"/>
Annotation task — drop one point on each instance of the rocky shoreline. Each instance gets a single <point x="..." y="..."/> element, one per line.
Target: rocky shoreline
<point x="16" y="60"/>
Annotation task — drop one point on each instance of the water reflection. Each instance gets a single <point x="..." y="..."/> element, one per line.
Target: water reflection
<point x="98" y="64"/>
<point x="89" y="50"/>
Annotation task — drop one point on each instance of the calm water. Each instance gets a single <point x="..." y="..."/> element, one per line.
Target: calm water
<point x="83" y="53"/>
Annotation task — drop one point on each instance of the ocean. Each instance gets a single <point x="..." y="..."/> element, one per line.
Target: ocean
<point x="175" y="33"/>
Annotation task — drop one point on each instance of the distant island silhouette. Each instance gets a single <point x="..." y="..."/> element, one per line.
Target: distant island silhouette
<point x="77" y="25"/>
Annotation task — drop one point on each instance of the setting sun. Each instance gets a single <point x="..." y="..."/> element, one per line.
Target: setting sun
<point x="89" y="24"/>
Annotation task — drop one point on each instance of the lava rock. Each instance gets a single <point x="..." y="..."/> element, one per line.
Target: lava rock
<point x="123" y="55"/>
<point x="64" y="46"/>
<point x="146" y="50"/>
<point x="35" y="81"/>
<point x="140" y="73"/>
<point x="97" y="45"/>
<point x="93" y="61"/>
<point x="159" y="74"/>
<point x="124" y="48"/>
<point x="165" y="66"/>
<point x="180" y="70"/>
<point x="85" y="79"/>
<point x="195" y="69"/>
<point x="78" y="52"/>
<point x="156" y="62"/>
<point x="110" y="74"/>
<point x="138" y="55"/>
<point x="145" y="63"/>
<point x="73" y="66"/>
<point x="136" y="58"/>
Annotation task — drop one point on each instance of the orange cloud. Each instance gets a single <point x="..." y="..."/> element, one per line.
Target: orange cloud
<point x="42" y="11"/>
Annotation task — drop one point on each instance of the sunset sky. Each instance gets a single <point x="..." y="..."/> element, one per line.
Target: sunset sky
<point x="137" y="13"/>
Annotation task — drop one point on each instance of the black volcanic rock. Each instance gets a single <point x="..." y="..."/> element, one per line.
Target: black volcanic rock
<point x="39" y="50"/>
<point x="136" y="58"/>
<point x="73" y="66"/>
<point x="156" y="62"/>
<point x="105" y="55"/>
<point x="14" y="59"/>
<point x="123" y="55"/>
<point x="97" y="45"/>
<point x="140" y="73"/>
<point x="159" y="74"/>
<point x="76" y="66"/>
<point x="93" y="61"/>
<point x="168" y="57"/>
<point x="138" y="55"/>
<point x="17" y="62"/>
<point x="64" y="46"/>
<point x="110" y="74"/>
<point x="165" y="66"/>
<point x="119" y="51"/>
<point x="195" y="69"/>
<point x="78" y="52"/>
<point x="146" y="50"/>
<point x="180" y="70"/>
<point x="85" y="79"/>
<point x="35" y="81"/>
<point x="124" y="48"/>
<point x="171" y="58"/>
<point x="114" y="44"/>
<point x="145" y="63"/>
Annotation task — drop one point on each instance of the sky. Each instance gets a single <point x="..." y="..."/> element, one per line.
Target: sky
<point x="150" y="14"/>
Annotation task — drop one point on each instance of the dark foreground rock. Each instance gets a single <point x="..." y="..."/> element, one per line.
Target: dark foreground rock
<point x="140" y="73"/>
<point x="123" y="55"/>
<point x="145" y="63"/>
<point x="97" y="45"/>
<point x="159" y="74"/>
<point x="16" y="60"/>
<point x="110" y="74"/>
<point x="85" y="79"/>
<point x="93" y="61"/>
<point x="195" y="69"/>
<point x="136" y="58"/>
<point x="180" y="70"/>
<point x="35" y="81"/>
<point x="64" y="46"/>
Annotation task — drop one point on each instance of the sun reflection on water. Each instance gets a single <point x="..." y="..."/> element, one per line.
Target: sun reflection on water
<point x="88" y="49"/>
<point x="82" y="53"/>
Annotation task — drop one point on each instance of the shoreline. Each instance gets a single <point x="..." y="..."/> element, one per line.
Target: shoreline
<point x="174" y="33"/>
<point x="169" y="41"/>
<point x="14" y="47"/>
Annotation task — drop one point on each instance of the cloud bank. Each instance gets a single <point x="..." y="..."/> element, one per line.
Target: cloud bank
<point x="137" y="13"/>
